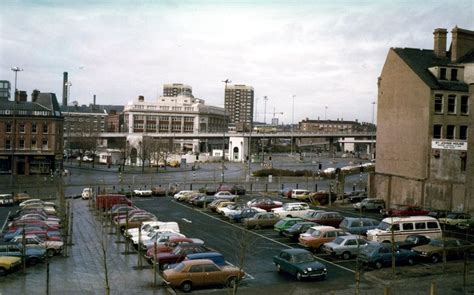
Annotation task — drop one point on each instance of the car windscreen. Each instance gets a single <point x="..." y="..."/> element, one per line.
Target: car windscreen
<point x="437" y="243"/>
<point x="338" y="241"/>
<point x="179" y="267"/>
<point x="383" y="225"/>
<point x="303" y="258"/>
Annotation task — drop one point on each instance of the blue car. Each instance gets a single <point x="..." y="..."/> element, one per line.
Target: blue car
<point x="380" y="254"/>
<point x="245" y="213"/>
<point x="358" y="226"/>
<point x="216" y="257"/>
<point x="33" y="254"/>
<point x="300" y="263"/>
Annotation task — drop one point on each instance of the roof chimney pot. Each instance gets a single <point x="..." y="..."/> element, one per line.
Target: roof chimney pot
<point x="440" y="42"/>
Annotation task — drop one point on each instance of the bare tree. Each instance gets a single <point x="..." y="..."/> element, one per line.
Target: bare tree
<point x="85" y="139"/>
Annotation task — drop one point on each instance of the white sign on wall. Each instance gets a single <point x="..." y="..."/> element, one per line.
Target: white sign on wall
<point x="449" y="145"/>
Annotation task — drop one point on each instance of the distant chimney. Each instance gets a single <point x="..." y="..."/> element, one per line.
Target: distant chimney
<point x="34" y="95"/>
<point x="22" y="96"/>
<point x="94" y="99"/>
<point x="462" y="43"/>
<point x="65" y="94"/>
<point x="141" y="98"/>
<point x="440" y="42"/>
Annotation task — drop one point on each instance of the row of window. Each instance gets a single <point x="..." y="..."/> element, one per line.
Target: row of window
<point x="451" y="103"/>
<point x="450" y="132"/>
<point x="22" y="127"/>
<point x="443" y="74"/>
<point x="22" y="146"/>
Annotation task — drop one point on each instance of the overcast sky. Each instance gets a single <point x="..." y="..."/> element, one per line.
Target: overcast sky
<point x="326" y="53"/>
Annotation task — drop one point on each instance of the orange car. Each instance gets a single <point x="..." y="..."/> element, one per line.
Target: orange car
<point x="316" y="236"/>
<point x="201" y="272"/>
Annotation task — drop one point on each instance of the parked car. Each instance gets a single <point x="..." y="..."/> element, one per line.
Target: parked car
<point x="453" y="219"/>
<point x="299" y="263"/>
<point x="466" y="224"/>
<point x="221" y="205"/>
<point x="226" y="195"/>
<point x="261" y="220"/>
<point x="345" y="247"/>
<point x="245" y="213"/>
<point x="142" y="192"/>
<point x="179" y="253"/>
<point x="322" y="197"/>
<point x="357" y="198"/>
<point x="325" y="218"/>
<point x="105" y="202"/>
<point x="135" y="221"/>
<point x="208" y="190"/>
<point x="438" y="213"/>
<point x="201" y="272"/>
<point x="285" y="192"/>
<point x="6" y="200"/>
<point x="158" y="191"/>
<point x="398" y="228"/>
<point x="413" y="241"/>
<point x="9" y="265"/>
<point x="216" y="257"/>
<point x="178" y="195"/>
<point x="160" y="236"/>
<point x="358" y="226"/>
<point x="297" y="209"/>
<point x="52" y="247"/>
<point x="21" y="197"/>
<point x="455" y="248"/>
<point x="202" y="200"/>
<point x="213" y="205"/>
<point x="264" y="203"/>
<point x="380" y="254"/>
<point x="169" y="245"/>
<point x="300" y="194"/>
<point x="298" y="228"/>
<point x="370" y="204"/>
<point x="33" y="255"/>
<point x="87" y="193"/>
<point x="404" y="210"/>
<point x="286" y="223"/>
<point x="224" y="188"/>
<point x="237" y="190"/>
<point x="316" y="236"/>
<point x="229" y="209"/>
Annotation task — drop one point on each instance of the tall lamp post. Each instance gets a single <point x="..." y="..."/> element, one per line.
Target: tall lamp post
<point x="292" y="122"/>
<point x="265" y="98"/>
<point x="226" y="81"/>
<point x="13" y="143"/>
<point x="68" y="91"/>
<point x="373" y="130"/>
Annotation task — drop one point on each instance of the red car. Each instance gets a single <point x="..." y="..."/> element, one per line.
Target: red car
<point x="36" y="223"/>
<point x="179" y="253"/>
<point x="168" y="246"/>
<point x="265" y="204"/>
<point x="224" y="188"/>
<point x="404" y="210"/>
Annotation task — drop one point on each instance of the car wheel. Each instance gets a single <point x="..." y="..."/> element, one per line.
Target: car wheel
<point x="410" y="261"/>
<point x="346" y="255"/>
<point x="299" y="276"/>
<point x="278" y="267"/>
<point x="232" y="282"/>
<point x="33" y="261"/>
<point x="378" y="264"/>
<point x="435" y="258"/>
<point x="50" y="252"/>
<point x="186" y="286"/>
<point x="257" y="226"/>
<point x="289" y="216"/>
<point x="3" y="272"/>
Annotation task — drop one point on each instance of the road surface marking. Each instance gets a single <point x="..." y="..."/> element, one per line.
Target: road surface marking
<point x="6" y="220"/>
<point x="186" y="220"/>
<point x="262" y="236"/>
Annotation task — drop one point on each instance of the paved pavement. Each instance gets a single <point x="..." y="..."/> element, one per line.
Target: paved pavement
<point x="83" y="271"/>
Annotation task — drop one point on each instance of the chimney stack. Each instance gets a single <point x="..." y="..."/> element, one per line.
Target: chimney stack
<point x="462" y="43"/>
<point x="440" y="42"/>
<point x="141" y="98"/>
<point x="22" y="96"/>
<point x="65" y="94"/>
<point x="94" y="99"/>
<point x="34" y="95"/>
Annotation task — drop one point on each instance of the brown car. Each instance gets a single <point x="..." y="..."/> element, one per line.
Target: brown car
<point x="201" y="272"/>
<point x="259" y="220"/>
<point x="316" y="236"/>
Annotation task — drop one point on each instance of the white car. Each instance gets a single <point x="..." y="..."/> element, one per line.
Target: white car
<point x="87" y="193"/>
<point x="52" y="247"/>
<point x="150" y="227"/>
<point x="142" y="192"/>
<point x="178" y="195"/>
<point x="159" y="237"/>
<point x="226" y="196"/>
<point x="229" y="209"/>
<point x="297" y="209"/>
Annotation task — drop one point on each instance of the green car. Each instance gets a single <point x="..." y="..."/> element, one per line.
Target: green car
<point x="466" y="224"/>
<point x="286" y="223"/>
<point x="453" y="219"/>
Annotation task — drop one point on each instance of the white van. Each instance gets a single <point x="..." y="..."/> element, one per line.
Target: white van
<point x="6" y="199"/>
<point x="401" y="227"/>
<point x="300" y="194"/>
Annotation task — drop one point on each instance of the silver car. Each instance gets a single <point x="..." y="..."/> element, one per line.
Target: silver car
<point x="370" y="204"/>
<point x="345" y="246"/>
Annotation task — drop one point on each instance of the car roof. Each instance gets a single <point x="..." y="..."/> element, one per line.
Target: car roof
<point x="205" y="254"/>
<point x="197" y="261"/>
<point x="323" y="227"/>
<point x="295" y="251"/>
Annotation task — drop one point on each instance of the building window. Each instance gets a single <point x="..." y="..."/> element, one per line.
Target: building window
<point x="45" y="128"/>
<point x="454" y="74"/>
<point x="450" y="131"/>
<point x="442" y="74"/>
<point x="464" y="105"/>
<point x="452" y="104"/>
<point x="437" y="131"/>
<point x="438" y="103"/>
<point x="22" y="127"/>
<point x="33" y="127"/>
<point x="463" y="132"/>
<point x="44" y="146"/>
<point x="22" y="144"/>
<point x="8" y="127"/>
<point x="8" y="144"/>
<point x="34" y="144"/>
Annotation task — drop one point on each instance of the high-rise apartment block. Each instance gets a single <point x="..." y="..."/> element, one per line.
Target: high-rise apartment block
<point x="239" y="106"/>
<point x="176" y="89"/>
<point x="425" y="132"/>
<point x="4" y="90"/>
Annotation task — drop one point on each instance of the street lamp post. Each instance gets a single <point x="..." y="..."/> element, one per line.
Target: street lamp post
<point x="325" y="112"/>
<point x="265" y="98"/>
<point x="226" y="81"/>
<point x="13" y="142"/>
<point x="292" y="122"/>
<point x="373" y="130"/>
<point x="68" y="90"/>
